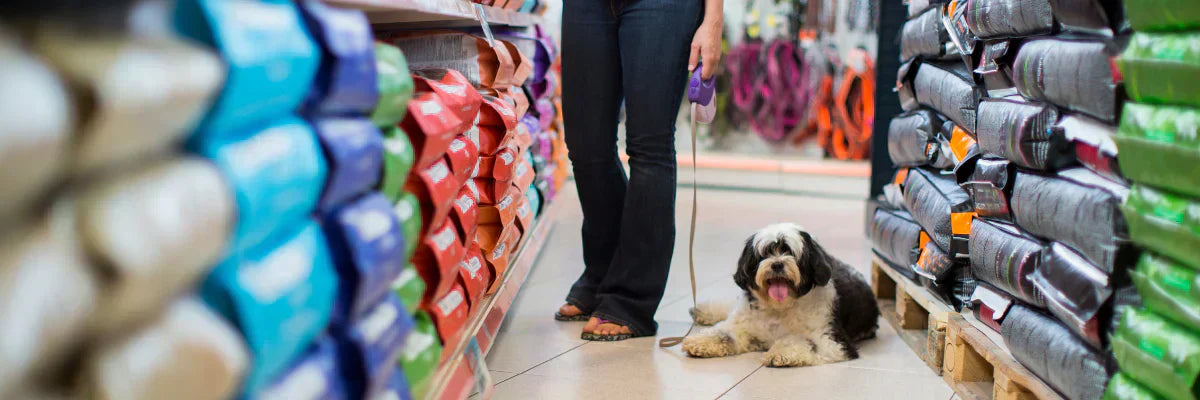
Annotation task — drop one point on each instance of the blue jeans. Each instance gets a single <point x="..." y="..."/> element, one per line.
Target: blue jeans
<point x="636" y="51"/>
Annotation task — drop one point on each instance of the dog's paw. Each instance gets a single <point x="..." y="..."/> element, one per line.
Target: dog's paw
<point x="705" y="347"/>
<point x="709" y="313"/>
<point x="781" y="359"/>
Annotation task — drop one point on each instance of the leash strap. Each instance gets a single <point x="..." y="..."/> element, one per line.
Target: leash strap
<point x="672" y="341"/>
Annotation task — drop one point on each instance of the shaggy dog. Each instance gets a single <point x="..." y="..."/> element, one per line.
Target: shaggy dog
<point x="802" y="306"/>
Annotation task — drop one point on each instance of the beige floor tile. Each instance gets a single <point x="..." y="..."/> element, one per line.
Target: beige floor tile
<point x="533" y="387"/>
<point x="529" y="347"/>
<point x="642" y="363"/>
<point x="838" y="382"/>
<point x="888" y="352"/>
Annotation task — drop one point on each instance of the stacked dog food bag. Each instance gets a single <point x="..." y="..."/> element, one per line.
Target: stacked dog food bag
<point x="1157" y="347"/>
<point x="923" y="225"/>
<point x="1021" y="100"/>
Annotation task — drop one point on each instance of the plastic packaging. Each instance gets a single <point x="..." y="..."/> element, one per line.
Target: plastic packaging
<point x="397" y="389"/>
<point x="156" y="230"/>
<point x="1090" y="17"/>
<point x="345" y="82"/>
<point x="1122" y="387"/>
<point x="269" y="55"/>
<point x="47" y="293"/>
<point x="436" y="187"/>
<point x="280" y="296"/>
<point x="1020" y="132"/>
<point x="409" y="288"/>
<point x="437" y="260"/>
<point x="956" y="289"/>
<point x="464" y="215"/>
<point x="317" y="375"/>
<point x="449" y="312"/>
<point x="354" y="151"/>
<point x="1076" y="292"/>
<point x="990" y="19"/>
<point x="1005" y="257"/>
<point x="990" y="186"/>
<point x="1160" y="146"/>
<point x="463" y="156"/>
<point x="196" y="355"/>
<point x="474" y="276"/>
<point x="933" y="264"/>
<point x="408" y="212"/>
<point x="990" y="304"/>
<point x="422" y="351"/>
<point x="1078" y="208"/>
<point x="1053" y="353"/>
<point x="1162" y="67"/>
<point x="1093" y="144"/>
<point x="913" y="140"/>
<point x="1164" y="222"/>
<point x="398" y="158"/>
<point x="948" y="88"/>
<point x="924" y="36"/>
<point x="1163" y="15"/>
<point x="144" y="95"/>
<point x="395" y="85"/>
<point x="431" y="126"/>
<point x="1169" y="289"/>
<point x="482" y="64"/>
<point x="942" y="209"/>
<point x="277" y="174"/>
<point x="33" y="152"/>
<point x="456" y="94"/>
<point x="373" y="345"/>
<point x="367" y="244"/>
<point x="1075" y="75"/>
<point x="1158" y="354"/>
<point x="895" y="238"/>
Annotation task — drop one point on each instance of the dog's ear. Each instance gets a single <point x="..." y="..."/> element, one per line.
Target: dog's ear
<point x="816" y="260"/>
<point x="747" y="267"/>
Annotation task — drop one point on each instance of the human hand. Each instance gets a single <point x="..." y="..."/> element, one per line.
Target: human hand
<point x="706" y="47"/>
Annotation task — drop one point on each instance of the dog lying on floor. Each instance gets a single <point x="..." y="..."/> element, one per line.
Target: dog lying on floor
<point x="802" y="306"/>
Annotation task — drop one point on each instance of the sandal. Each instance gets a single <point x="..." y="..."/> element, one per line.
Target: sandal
<point x="582" y="316"/>
<point x="604" y="338"/>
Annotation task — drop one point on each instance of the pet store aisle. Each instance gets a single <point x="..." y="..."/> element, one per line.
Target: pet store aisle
<point x="536" y="357"/>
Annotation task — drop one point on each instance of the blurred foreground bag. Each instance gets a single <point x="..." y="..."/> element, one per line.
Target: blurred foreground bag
<point x="1076" y="292"/>
<point x="1164" y="222"/>
<point x="1160" y="146"/>
<point x="1158" y="354"/>
<point x="1169" y="289"/>
<point x="1122" y="387"/>
<point x="1162" y="68"/>
<point x="1052" y="352"/>
<point x="990" y="186"/>
<point x="1163" y="15"/>
<point x="1009" y="18"/>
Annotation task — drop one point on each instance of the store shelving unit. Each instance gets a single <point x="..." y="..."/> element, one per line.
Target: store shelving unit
<point x="435" y="13"/>
<point x="462" y="368"/>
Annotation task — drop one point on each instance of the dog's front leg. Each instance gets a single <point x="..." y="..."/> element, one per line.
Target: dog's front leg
<point x="792" y="351"/>
<point x="718" y="341"/>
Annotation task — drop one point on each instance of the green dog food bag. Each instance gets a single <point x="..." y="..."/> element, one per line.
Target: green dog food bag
<point x="398" y="157"/>
<point x="408" y="210"/>
<point x="1161" y="355"/>
<point x="1169" y="289"/>
<point x="421" y="354"/>
<point x="410" y="288"/>
<point x="1164" y="222"/>
<point x="395" y="85"/>
<point x="1162" y="68"/>
<point x="1160" y="146"/>
<point x="1163" y="15"/>
<point x="1121" y="387"/>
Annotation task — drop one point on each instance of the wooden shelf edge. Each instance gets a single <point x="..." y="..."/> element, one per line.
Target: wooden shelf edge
<point x="939" y="310"/>
<point x="453" y="377"/>
<point x="997" y="353"/>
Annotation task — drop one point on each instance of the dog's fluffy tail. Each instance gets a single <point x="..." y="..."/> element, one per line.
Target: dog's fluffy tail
<point x="711" y="312"/>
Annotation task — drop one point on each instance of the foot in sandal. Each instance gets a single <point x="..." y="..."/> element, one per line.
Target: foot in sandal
<point x="568" y="312"/>
<point x="602" y="330"/>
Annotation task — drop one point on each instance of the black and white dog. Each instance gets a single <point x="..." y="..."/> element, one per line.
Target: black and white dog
<point x="802" y="306"/>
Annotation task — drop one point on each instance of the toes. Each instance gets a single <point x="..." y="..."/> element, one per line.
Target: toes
<point x="591" y="326"/>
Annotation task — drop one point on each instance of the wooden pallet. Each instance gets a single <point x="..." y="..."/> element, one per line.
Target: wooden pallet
<point x="918" y="317"/>
<point x="978" y="367"/>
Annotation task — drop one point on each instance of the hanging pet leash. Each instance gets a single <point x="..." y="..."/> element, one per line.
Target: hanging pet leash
<point x="701" y="93"/>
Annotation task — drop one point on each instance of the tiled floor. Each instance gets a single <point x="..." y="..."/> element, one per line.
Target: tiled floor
<point x="536" y="357"/>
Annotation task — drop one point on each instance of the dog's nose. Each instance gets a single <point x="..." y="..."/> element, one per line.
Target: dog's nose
<point x="777" y="267"/>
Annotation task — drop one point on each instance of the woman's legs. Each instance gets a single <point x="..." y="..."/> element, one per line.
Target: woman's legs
<point x="654" y="39"/>
<point x="591" y="101"/>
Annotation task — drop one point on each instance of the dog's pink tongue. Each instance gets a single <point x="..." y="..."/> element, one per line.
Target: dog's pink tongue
<point x="778" y="291"/>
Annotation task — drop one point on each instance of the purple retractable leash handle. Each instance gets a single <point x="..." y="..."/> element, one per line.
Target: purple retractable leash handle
<point x="702" y="94"/>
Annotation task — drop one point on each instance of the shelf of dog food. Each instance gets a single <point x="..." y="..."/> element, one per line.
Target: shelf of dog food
<point x="289" y="204"/>
<point x="1048" y="187"/>
<point x="444" y="13"/>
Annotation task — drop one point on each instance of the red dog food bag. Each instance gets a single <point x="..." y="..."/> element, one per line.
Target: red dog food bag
<point x="474" y="275"/>
<point x="463" y="157"/>
<point x="450" y="312"/>
<point x="498" y="112"/>
<point x="465" y="216"/>
<point x="523" y="174"/>
<point x="483" y="186"/>
<point x="435" y="186"/>
<point x="455" y="91"/>
<point x="437" y="260"/>
<point x="523" y="67"/>
<point x="430" y="126"/>
<point x="520" y="100"/>
<point x="525" y="215"/>
<point x="482" y="64"/>
<point x="505" y="209"/>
